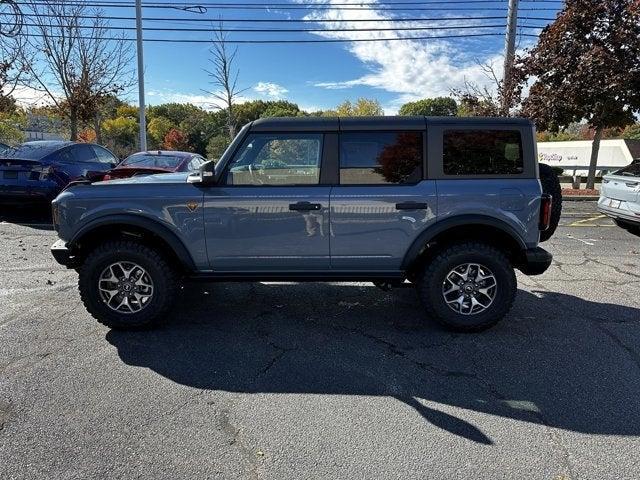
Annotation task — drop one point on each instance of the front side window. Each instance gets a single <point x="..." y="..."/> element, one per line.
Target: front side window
<point x="380" y="158"/>
<point x="277" y="159"/>
<point x="482" y="152"/>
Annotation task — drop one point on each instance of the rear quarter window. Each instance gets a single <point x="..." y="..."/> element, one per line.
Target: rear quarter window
<point x="482" y="152"/>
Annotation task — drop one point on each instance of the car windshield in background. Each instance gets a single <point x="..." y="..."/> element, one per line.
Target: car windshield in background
<point x="632" y="170"/>
<point x="152" y="161"/>
<point x="31" y="151"/>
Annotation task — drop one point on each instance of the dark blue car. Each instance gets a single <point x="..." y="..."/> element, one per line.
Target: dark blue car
<point x="37" y="171"/>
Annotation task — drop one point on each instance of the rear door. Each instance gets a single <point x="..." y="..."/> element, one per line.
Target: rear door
<point x="86" y="161"/>
<point x="270" y="210"/>
<point x="382" y="201"/>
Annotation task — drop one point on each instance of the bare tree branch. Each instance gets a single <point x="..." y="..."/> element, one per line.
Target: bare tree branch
<point x="71" y="58"/>
<point x="224" y="76"/>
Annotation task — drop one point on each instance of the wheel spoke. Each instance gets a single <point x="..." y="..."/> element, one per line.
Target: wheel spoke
<point x="125" y="287"/>
<point x="469" y="289"/>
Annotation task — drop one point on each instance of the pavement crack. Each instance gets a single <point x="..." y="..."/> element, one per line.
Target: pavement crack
<point x="635" y="356"/>
<point x="280" y="351"/>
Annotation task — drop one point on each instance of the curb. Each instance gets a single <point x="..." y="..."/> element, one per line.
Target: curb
<point x="580" y="198"/>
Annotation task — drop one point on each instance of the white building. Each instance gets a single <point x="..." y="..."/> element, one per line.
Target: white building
<point x="575" y="156"/>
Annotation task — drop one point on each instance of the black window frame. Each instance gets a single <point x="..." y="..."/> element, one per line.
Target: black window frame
<point x="326" y="145"/>
<point x="425" y="163"/>
<point x="436" y="154"/>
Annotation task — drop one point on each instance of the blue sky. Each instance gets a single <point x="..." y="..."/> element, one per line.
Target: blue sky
<point x="319" y="76"/>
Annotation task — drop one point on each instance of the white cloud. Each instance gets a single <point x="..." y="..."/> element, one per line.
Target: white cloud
<point x="413" y="69"/>
<point x="30" y="97"/>
<point x="271" y="89"/>
<point x="204" y="100"/>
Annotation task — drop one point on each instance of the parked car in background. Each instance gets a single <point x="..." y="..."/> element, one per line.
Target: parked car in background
<point x="4" y="147"/>
<point x="38" y="171"/>
<point x="620" y="197"/>
<point x="161" y="161"/>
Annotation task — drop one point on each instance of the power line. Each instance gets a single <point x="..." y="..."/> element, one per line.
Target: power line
<point x="290" y="30"/>
<point x="284" y="30"/>
<point x="305" y="5"/>
<point x="324" y="40"/>
<point x="302" y="7"/>
<point x="283" y="20"/>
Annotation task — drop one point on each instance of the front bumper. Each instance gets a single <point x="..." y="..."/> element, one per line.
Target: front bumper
<point x="535" y="261"/>
<point x="63" y="255"/>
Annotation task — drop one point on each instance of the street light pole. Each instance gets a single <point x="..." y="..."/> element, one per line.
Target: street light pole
<point x="143" y="121"/>
<point x="509" y="53"/>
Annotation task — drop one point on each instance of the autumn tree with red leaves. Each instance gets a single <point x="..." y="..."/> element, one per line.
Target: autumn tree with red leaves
<point x="176" y="140"/>
<point x="586" y="66"/>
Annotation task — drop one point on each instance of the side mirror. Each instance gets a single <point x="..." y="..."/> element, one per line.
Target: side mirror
<point x="206" y="174"/>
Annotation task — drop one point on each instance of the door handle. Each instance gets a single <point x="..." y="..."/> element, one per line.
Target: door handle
<point x="304" y="206"/>
<point x="411" y="206"/>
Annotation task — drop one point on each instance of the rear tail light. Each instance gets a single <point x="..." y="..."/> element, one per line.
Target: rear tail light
<point x="545" y="211"/>
<point x="106" y="177"/>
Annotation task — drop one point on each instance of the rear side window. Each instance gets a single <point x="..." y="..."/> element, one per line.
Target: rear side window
<point x="482" y="152"/>
<point x="381" y="158"/>
<point x="83" y="153"/>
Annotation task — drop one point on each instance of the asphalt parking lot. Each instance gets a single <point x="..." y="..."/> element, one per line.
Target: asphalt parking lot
<point x="310" y="381"/>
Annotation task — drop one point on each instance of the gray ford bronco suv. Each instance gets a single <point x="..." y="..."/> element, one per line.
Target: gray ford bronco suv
<point x="449" y="205"/>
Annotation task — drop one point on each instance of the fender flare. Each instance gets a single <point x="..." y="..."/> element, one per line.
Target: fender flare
<point x="158" y="229"/>
<point x="461" y="220"/>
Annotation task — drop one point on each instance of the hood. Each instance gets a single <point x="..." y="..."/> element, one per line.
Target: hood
<point x="180" y="177"/>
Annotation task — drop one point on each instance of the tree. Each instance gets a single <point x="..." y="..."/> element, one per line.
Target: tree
<point x="586" y="65"/>
<point x="632" y="132"/>
<point x="363" y="107"/>
<point x="176" y="140"/>
<point x="224" y="76"/>
<point x="216" y="147"/>
<point x="11" y="127"/>
<point x="81" y="65"/>
<point x="431" y="107"/>
<point x="121" y="135"/>
<point x="158" y="128"/>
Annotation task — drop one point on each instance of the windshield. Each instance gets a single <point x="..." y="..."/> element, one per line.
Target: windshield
<point x="31" y="151"/>
<point x="632" y="170"/>
<point x="152" y="161"/>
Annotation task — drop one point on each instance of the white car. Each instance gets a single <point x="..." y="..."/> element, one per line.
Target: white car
<point x="620" y="197"/>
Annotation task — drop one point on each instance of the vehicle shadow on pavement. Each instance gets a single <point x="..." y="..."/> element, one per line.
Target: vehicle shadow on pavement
<point x="34" y="216"/>
<point x="556" y="360"/>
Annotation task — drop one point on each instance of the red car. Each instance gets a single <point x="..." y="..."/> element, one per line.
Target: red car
<point x="161" y="161"/>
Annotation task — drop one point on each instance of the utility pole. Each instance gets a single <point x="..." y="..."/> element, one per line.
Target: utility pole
<point x="509" y="54"/>
<point x="143" y="121"/>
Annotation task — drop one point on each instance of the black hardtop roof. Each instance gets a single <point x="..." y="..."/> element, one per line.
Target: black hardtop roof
<point x="303" y="124"/>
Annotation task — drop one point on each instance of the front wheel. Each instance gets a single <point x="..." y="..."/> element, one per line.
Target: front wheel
<point x="468" y="287"/>
<point x="127" y="285"/>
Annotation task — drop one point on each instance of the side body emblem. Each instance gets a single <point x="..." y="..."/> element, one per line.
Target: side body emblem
<point x="192" y="206"/>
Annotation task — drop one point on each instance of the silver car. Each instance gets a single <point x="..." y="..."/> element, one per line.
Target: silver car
<point x="620" y="197"/>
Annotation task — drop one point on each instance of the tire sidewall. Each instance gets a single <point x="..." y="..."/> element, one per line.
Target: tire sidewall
<point x="90" y="273"/>
<point x="506" y="283"/>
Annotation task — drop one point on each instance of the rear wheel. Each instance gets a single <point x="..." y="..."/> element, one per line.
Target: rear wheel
<point x="551" y="185"/>
<point x="124" y="284"/>
<point x="468" y="287"/>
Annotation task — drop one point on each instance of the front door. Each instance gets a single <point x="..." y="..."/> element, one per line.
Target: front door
<point x="269" y="211"/>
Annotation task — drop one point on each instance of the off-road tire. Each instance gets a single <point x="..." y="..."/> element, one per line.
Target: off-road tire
<point x="628" y="226"/>
<point x="432" y="278"/>
<point x="551" y="185"/>
<point x="161" y="273"/>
